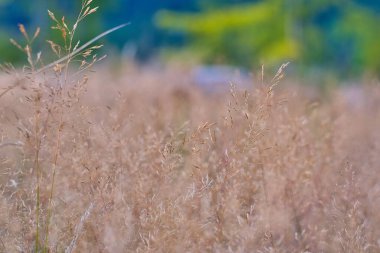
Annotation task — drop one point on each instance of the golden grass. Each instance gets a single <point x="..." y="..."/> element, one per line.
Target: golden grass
<point x="140" y="160"/>
<point x="145" y="162"/>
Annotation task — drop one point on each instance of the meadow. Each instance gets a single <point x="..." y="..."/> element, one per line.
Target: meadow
<point x="140" y="159"/>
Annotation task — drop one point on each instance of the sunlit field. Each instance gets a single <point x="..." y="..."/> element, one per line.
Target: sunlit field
<point x="141" y="160"/>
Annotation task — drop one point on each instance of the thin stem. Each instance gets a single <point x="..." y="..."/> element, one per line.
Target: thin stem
<point x="72" y="33"/>
<point x="37" y="167"/>
<point x="3" y="245"/>
<point x="55" y="162"/>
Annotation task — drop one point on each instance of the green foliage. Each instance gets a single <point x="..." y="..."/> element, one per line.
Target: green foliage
<point x="334" y="34"/>
<point x="339" y="35"/>
<point x="7" y="51"/>
<point x="241" y="35"/>
<point x="358" y="32"/>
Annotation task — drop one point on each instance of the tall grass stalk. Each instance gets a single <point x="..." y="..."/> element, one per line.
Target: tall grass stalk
<point x="57" y="102"/>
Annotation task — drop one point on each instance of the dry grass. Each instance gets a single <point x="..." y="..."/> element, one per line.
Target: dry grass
<point x="145" y="162"/>
<point x="142" y="161"/>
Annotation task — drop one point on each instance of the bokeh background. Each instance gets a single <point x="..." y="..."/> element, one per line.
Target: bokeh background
<point x="332" y="37"/>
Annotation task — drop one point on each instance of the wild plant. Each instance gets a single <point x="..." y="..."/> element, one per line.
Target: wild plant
<point x="54" y="90"/>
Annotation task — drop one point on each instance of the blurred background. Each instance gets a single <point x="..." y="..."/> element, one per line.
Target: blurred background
<point x="337" y="38"/>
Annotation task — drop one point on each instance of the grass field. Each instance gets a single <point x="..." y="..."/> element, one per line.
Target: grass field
<point x="139" y="160"/>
